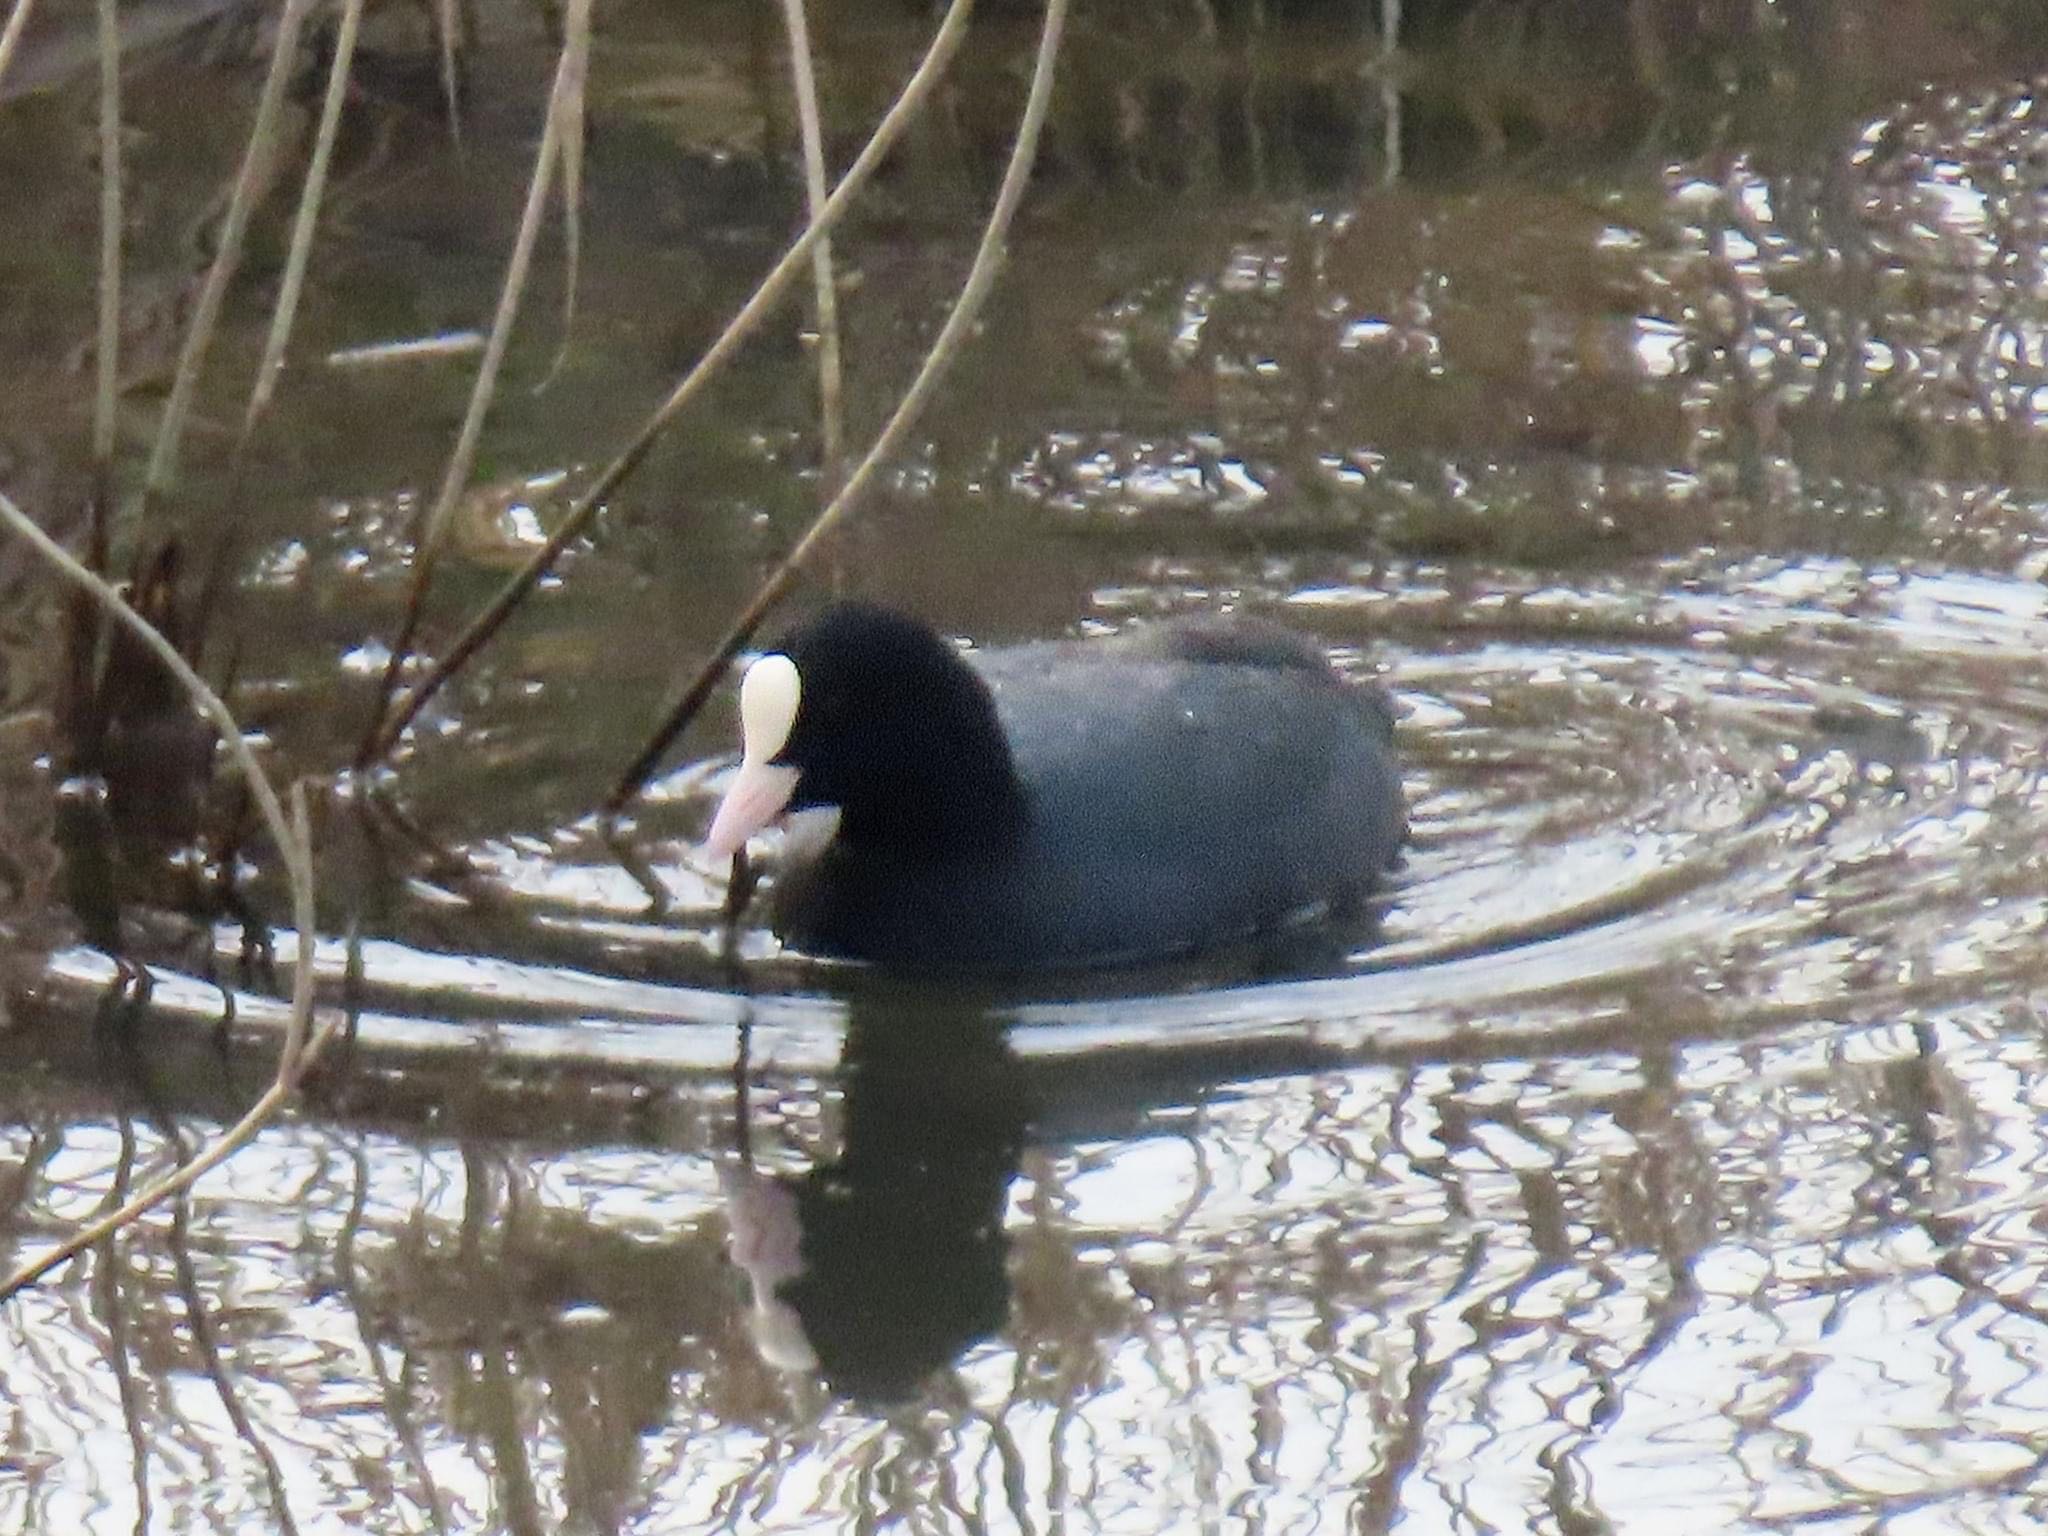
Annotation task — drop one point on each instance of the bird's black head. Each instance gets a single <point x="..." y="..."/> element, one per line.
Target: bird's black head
<point x="874" y="713"/>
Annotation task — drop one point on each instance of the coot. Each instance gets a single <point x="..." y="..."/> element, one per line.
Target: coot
<point x="1060" y="804"/>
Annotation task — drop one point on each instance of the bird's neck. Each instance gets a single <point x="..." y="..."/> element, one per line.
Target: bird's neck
<point x="937" y="810"/>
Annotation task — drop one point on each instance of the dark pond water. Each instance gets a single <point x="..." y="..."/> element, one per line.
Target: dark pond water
<point x="1654" y="397"/>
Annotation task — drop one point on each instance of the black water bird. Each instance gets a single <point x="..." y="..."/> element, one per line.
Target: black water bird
<point x="1178" y="787"/>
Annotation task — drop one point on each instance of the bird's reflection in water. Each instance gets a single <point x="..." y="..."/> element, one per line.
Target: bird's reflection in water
<point x="882" y="1266"/>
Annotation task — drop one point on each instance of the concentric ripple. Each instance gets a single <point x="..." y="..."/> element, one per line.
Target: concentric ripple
<point x="1667" y="791"/>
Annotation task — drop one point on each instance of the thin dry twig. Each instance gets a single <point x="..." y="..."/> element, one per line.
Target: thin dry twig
<point x="980" y="279"/>
<point x="304" y="223"/>
<point x="108" y="358"/>
<point x="804" y="79"/>
<point x="565" y="96"/>
<point x="448" y="23"/>
<point x="952" y="29"/>
<point x="298" y="1051"/>
<point x="249" y="179"/>
<point x="295" y="847"/>
<point x="573" y="110"/>
<point x="10" y="36"/>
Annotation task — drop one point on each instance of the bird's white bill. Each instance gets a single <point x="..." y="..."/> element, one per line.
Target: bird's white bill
<point x="769" y="696"/>
<point x="758" y="793"/>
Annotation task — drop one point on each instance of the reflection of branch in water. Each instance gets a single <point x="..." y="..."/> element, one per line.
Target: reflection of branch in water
<point x="1170" y="1294"/>
<point x="1884" y="1508"/>
<point x="498" y="1406"/>
<point x="1060" y="1499"/>
<point x="945" y="1494"/>
<point x="397" y="1405"/>
<point x="512" y="1471"/>
<point x="113" y="1312"/>
<point x="1650" y="1116"/>
<point x="952" y="1392"/>
<point x="43" y="1145"/>
<point x="1846" y="327"/>
<point x="1482" y="1311"/>
<point x="1358" y="1382"/>
<point x="199" y="1321"/>
<point x="1927" y="1103"/>
<point x="1751" y="419"/>
<point x="1380" y="1500"/>
<point x="742" y="1500"/>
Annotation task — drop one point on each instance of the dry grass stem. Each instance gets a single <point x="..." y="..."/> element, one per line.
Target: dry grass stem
<point x="294" y="843"/>
<point x="375" y="354"/>
<point x="306" y="918"/>
<point x="980" y="279"/>
<point x="575" y="91"/>
<point x="107" y="360"/>
<point x="830" y="410"/>
<point x="10" y="35"/>
<point x="433" y="528"/>
<point x="448" y="25"/>
<point x="257" y="155"/>
<point x="952" y="30"/>
<point x="285" y="315"/>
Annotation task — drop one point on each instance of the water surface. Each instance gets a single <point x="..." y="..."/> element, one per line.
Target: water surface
<point x="1654" y="407"/>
